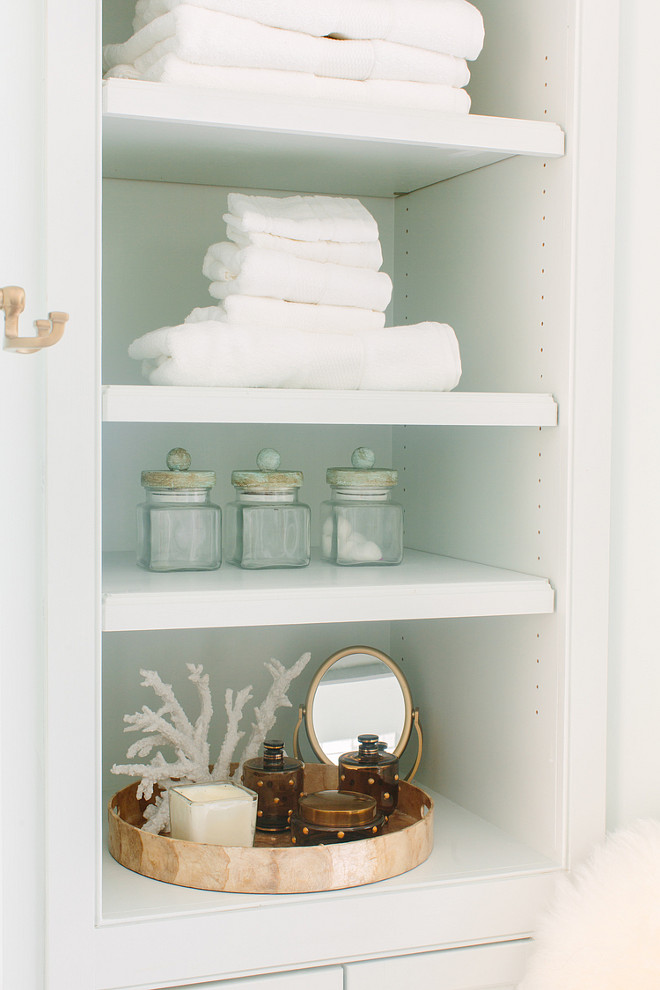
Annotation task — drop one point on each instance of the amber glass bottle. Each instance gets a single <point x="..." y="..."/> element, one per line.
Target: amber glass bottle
<point x="278" y="781"/>
<point x="371" y="771"/>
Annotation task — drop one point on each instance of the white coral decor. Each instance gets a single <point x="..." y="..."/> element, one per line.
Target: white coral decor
<point x="190" y="742"/>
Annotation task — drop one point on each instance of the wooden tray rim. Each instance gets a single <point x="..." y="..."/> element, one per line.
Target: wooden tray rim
<point x="281" y="869"/>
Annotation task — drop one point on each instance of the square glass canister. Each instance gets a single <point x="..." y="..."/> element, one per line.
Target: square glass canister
<point x="178" y="527"/>
<point x="266" y="525"/>
<point x="360" y="524"/>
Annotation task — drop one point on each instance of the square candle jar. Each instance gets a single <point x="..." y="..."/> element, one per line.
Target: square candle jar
<point x="221" y="814"/>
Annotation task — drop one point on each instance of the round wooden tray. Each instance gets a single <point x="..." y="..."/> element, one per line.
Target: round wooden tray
<point x="273" y="865"/>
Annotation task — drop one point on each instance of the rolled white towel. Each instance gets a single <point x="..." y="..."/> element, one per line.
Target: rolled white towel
<point x="453" y="26"/>
<point x="360" y="254"/>
<point x="259" y="272"/>
<point x="276" y="314"/>
<point x="208" y="37"/>
<point x="219" y="354"/>
<point x="384" y="94"/>
<point x="302" y="218"/>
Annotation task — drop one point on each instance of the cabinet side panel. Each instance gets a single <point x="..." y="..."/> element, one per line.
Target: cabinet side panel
<point x="489" y="695"/>
<point x="533" y="41"/>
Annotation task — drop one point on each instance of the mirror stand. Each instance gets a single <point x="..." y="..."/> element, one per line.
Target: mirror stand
<point x="356" y="690"/>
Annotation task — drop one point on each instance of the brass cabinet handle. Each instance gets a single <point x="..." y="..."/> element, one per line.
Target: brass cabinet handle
<point x="12" y="300"/>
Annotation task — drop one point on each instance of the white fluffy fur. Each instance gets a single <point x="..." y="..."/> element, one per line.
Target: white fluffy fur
<point x="603" y="929"/>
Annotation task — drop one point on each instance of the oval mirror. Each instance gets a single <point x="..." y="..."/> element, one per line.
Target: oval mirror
<point x="358" y="689"/>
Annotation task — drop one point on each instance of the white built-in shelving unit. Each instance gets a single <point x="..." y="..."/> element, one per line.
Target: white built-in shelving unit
<point x="491" y="222"/>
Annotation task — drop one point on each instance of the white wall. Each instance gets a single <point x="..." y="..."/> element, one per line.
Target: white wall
<point x="634" y="678"/>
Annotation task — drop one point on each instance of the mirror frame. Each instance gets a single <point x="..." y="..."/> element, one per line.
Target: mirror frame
<point x="305" y="710"/>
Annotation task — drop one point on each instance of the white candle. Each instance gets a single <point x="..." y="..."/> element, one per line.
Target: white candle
<point x="222" y="814"/>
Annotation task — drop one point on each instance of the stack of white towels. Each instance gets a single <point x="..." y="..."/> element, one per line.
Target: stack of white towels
<point x="302" y="305"/>
<point x="387" y="53"/>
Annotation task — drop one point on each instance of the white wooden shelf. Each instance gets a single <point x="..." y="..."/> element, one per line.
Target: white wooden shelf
<point x="478" y="883"/>
<point x="424" y="586"/>
<point x="171" y="404"/>
<point x="465" y="849"/>
<point x="183" y="134"/>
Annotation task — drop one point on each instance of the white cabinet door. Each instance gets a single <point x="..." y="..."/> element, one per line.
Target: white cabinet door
<point x="22" y="404"/>
<point x="71" y="137"/>
<point x="330" y="978"/>
<point x="481" y="967"/>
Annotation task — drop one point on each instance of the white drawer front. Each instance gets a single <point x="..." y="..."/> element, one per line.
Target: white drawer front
<point x="483" y="967"/>
<point x="330" y="978"/>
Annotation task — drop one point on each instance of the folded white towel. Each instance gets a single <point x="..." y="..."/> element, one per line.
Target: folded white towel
<point x="208" y="37"/>
<point x="302" y="218"/>
<point x="453" y="26"/>
<point x="259" y="272"/>
<point x="224" y="262"/>
<point x="384" y="94"/>
<point x="362" y="254"/>
<point x="276" y="314"/>
<point x="422" y="357"/>
<point x="223" y="355"/>
<point x="219" y="354"/>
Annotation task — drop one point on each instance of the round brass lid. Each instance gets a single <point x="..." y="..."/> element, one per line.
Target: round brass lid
<point x="337" y="809"/>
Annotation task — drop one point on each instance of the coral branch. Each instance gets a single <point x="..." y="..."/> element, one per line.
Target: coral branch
<point x="164" y="691"/>
<point x="190" y="742"/>
<point x="158" y="815"/>
<point x="232" y="738"/>
<point x="276" y="698"/>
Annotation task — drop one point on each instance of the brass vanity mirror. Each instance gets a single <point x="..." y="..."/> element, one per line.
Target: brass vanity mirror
<point x="358" y="689"/>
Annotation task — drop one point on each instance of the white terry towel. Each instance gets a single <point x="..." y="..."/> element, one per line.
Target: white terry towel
<point x="220" y="354"/>
<point x="385" y="94"/>
<point x="453" y="26"/>
<point x="277" y="314"/>
<point x="422" y="357"/>
<point x="360" y="254"/>
<point x="208" y="37"/>
<point x="275" y="270"/>
<point x="259" y="272"/>
<point x="302" y="218"/>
